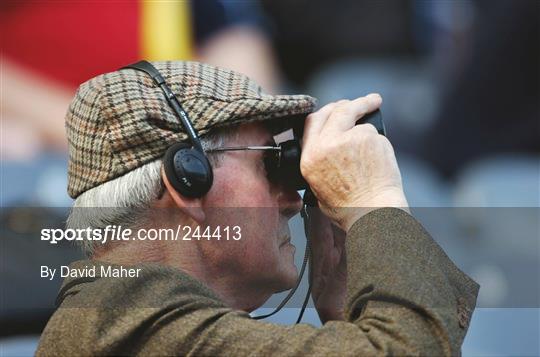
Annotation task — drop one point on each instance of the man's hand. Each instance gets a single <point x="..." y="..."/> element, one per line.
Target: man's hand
<point x="329" y="269"/>
<point x="350" y="169"/>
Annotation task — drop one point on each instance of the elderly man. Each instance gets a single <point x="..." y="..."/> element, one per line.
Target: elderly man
<point x="381" y="285"/>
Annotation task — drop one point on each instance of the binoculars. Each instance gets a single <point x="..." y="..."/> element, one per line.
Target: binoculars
<point x="284" y="165"/>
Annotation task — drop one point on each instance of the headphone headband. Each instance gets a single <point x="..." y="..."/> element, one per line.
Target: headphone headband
<point x="149" y="69"/>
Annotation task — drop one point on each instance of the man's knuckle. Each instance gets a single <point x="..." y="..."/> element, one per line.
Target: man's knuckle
<point x="385" y="140"/>
<point x="374" y="137"/>
<point x="370" y="128"/>
<point x="343" y="109"/>
<point x="386" y="144"/>
<point x="366" y="129"/>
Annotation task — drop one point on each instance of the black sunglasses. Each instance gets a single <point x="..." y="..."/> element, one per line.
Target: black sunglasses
<point x="271" y="159"/>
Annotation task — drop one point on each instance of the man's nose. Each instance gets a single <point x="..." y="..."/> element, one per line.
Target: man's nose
<point x="290" y="202"/>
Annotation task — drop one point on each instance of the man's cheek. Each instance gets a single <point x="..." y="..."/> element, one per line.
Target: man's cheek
<point x="226" y="256"/>
<point x="257" y="244"/>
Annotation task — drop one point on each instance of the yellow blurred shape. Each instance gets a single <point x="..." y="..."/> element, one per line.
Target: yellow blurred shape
<point x="166" y="32"/>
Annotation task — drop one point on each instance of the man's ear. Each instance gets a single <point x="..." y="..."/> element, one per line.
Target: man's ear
<point x="190" y="206"/>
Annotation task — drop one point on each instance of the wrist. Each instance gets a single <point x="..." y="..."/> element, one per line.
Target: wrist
<point x="391" y="199"/>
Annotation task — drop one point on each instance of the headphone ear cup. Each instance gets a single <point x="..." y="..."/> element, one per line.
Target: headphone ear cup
<point x="188" y="170"/>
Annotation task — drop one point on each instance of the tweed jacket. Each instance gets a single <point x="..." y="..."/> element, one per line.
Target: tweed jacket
<point x="404" y="297"/>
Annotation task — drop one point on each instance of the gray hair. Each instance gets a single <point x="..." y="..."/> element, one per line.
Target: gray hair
<point x="124" y="201"/>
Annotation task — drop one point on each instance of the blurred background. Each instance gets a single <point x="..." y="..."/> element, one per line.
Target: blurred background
<point x="460" y="82"/>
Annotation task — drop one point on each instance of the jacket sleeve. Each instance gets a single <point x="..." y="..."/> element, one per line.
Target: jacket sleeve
<point x="404" y="297"/>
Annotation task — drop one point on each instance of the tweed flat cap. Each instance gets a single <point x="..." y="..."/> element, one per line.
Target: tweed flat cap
<point x="119" y="121"/>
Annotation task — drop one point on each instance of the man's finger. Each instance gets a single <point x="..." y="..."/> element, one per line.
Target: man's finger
<point x="315" y="121"/>
<point x="344" y="116"/>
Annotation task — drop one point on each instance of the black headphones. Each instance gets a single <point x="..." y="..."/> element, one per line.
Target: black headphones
<point x="186" y="166"/>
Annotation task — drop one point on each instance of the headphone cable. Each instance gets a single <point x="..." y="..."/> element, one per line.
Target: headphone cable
<point x="305" y="217"/>
<point x="307" y="257"/>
